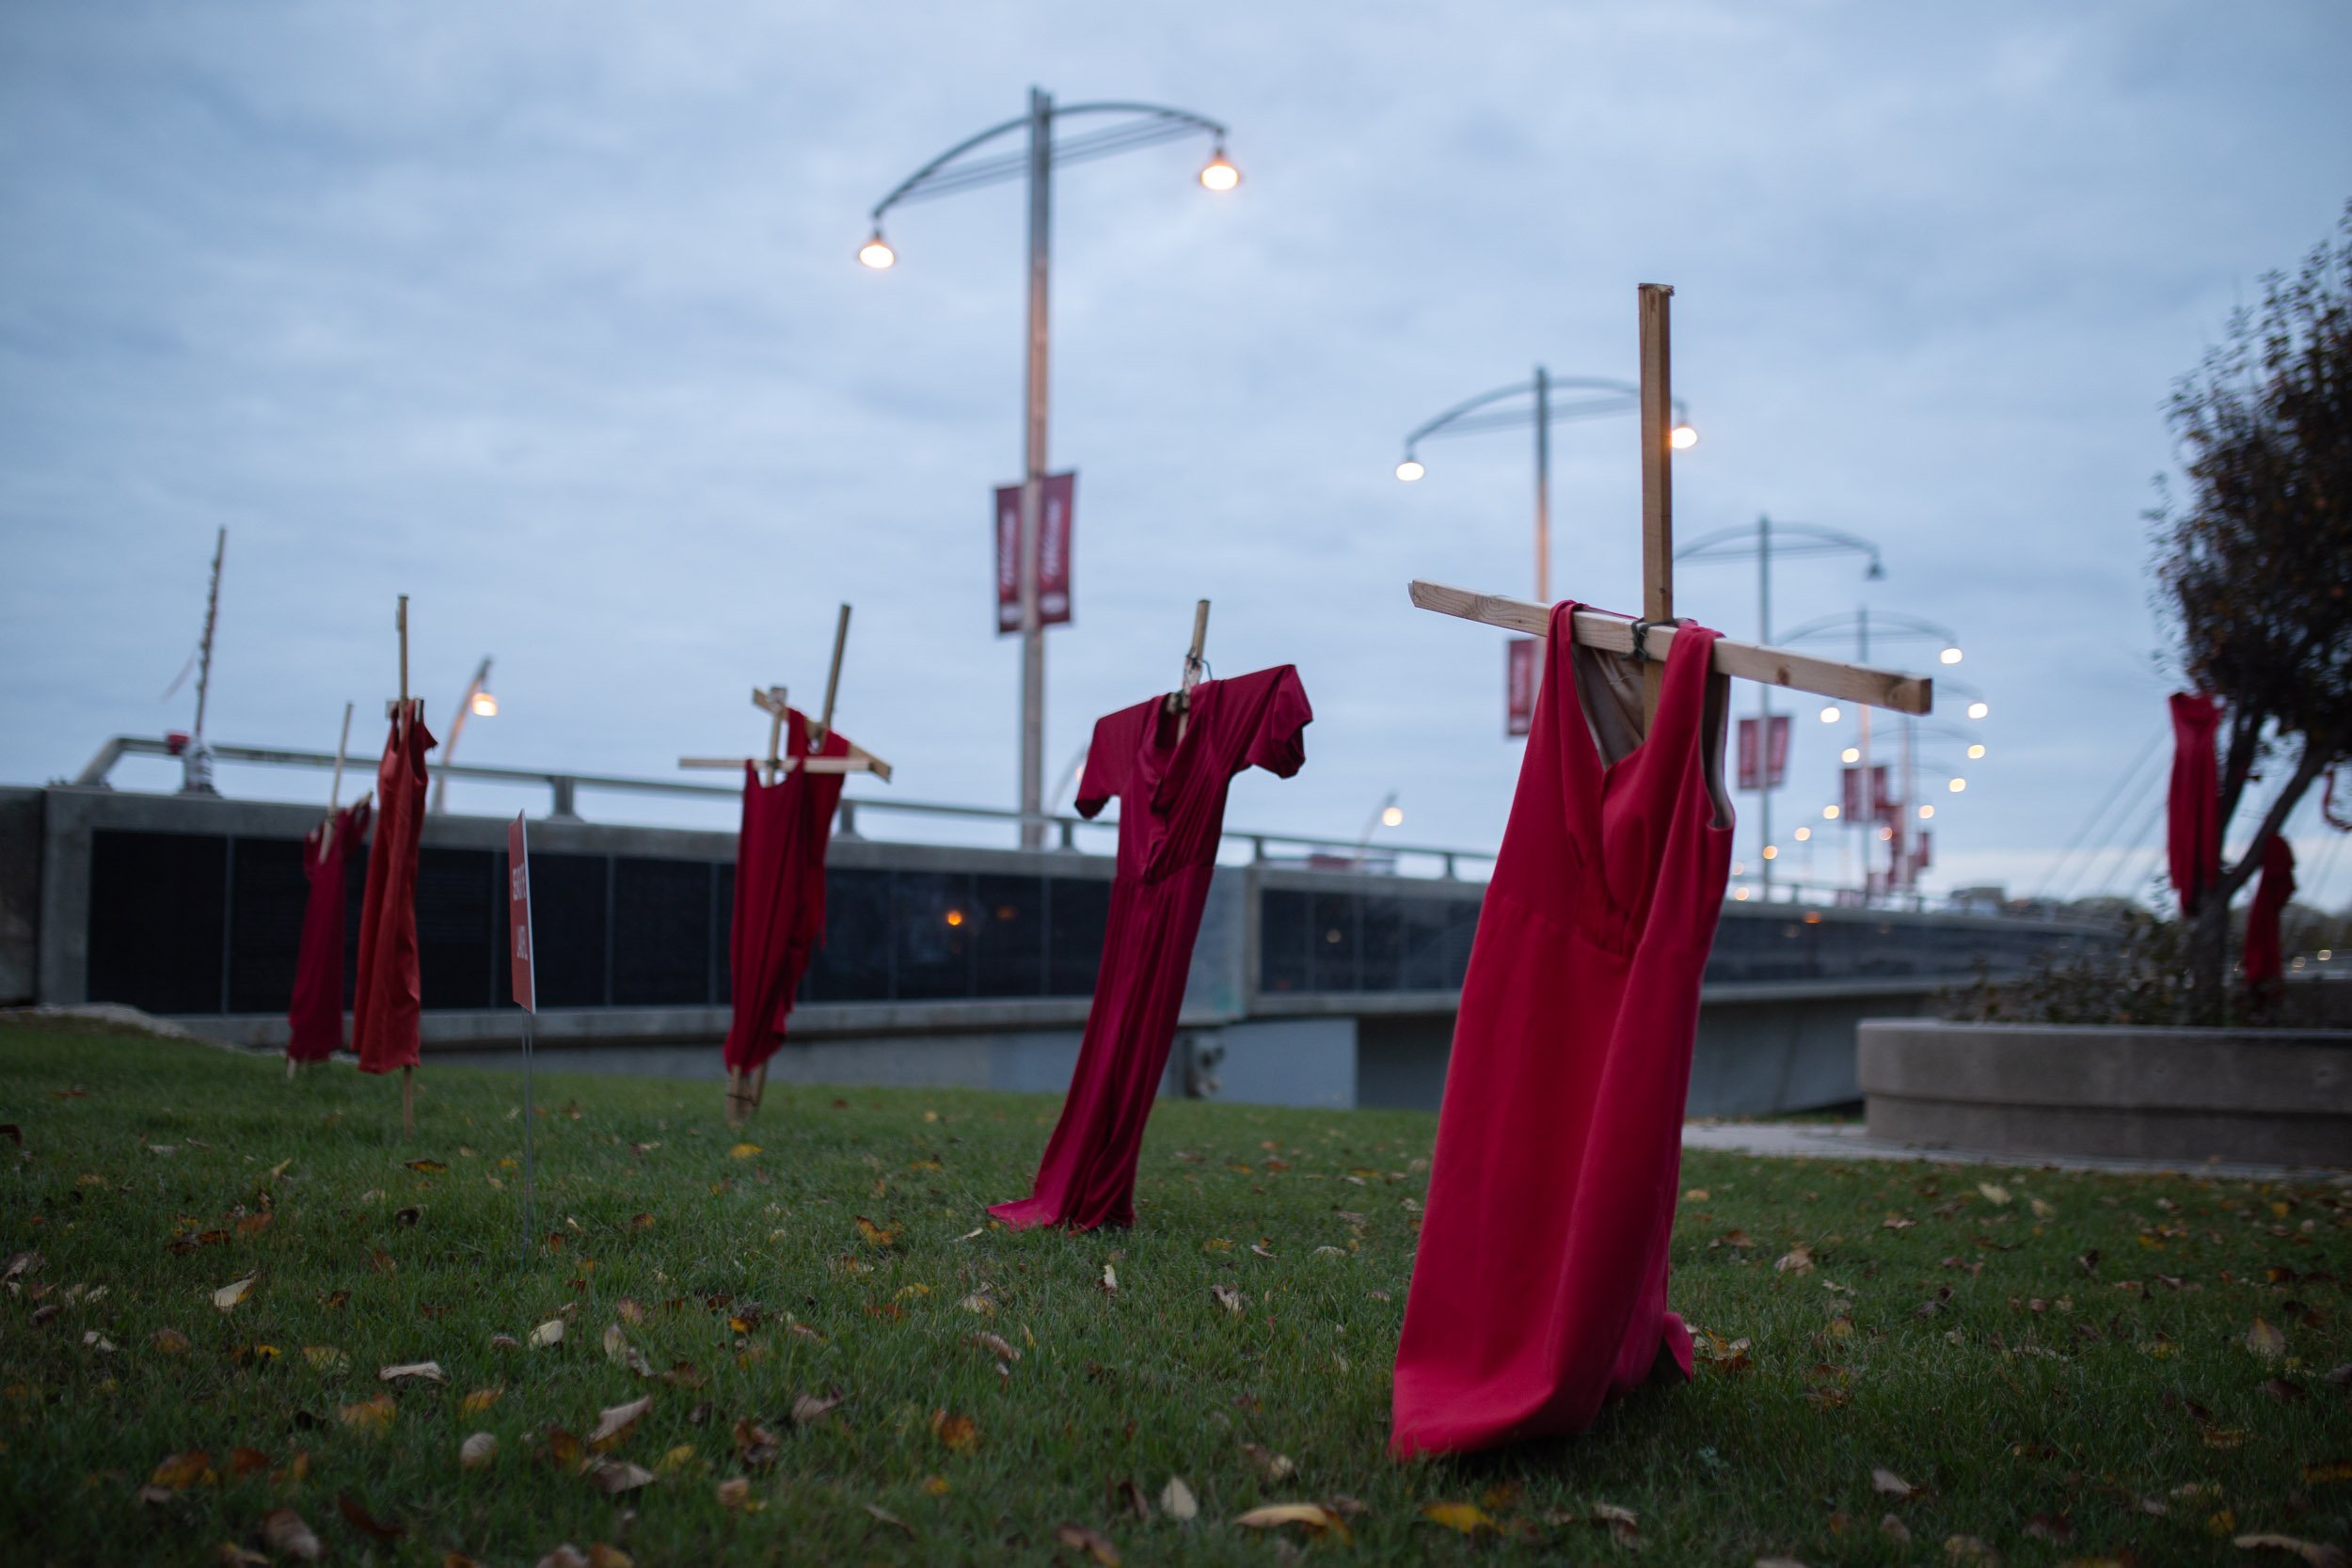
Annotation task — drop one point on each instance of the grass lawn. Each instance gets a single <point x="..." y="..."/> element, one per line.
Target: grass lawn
<point x="2057" y="1367"/>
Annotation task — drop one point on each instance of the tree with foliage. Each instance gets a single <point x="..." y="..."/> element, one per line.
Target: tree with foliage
<point x="2254" y="566"/>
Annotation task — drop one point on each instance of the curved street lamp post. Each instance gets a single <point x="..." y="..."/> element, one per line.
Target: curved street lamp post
<point x="1761" y="541"/>
<point x="1596" y="397"/>
<point x="1134" y="125"/>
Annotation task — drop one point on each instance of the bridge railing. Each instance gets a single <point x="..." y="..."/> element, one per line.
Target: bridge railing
<point x="565" y="790"/>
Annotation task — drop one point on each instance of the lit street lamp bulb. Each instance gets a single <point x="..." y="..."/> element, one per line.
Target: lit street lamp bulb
<point x="1772" y="851"/>
<point x="1950" y="655"/>
<point x="1219" y="175"/>
<point x="1683" y="438"/>
<point x="1828" y="714"/>
<point x="1978" y="710"/>
<point x="1393" y="817"/>
<point x="1739" y="894"/>
<point x="1959" y="785"/>
<point x="1886" y="833"/>
<point x="1851" y="753"/>
<point x="484" y="706"/>
<point x="1829" y="814"/>
<point x="1976" y="751"/>
<point x="877" y="254"/>
<point x="1410" y="470"/>
<point x="1926" y="812"/>
<point x="1803" y="833"/>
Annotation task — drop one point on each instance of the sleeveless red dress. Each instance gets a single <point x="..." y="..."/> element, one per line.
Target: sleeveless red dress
<point x="314" y="1017"/>
<point x="779" y="892"/>
<point x="1539" y="1287"/>
<point x="1172" y="816"/>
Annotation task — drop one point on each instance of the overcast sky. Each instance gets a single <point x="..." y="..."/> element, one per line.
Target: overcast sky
<point x="547" y="315"/>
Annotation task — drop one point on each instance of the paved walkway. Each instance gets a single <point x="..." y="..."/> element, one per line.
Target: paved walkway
<point x="1848" y="1141"/>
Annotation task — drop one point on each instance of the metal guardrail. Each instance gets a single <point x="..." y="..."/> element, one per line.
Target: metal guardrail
<point x="565" y="789"/>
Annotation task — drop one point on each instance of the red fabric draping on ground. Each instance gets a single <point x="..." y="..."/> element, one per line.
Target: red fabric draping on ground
<point x="315" y="1017"/>
<point x="779" y="893"/>
<point x="1172" y="810"/>
<point x="2262" y="959"/>
<point x="1539" y="1287"/>
<point x="388" y="997"/>
<point x="2193" y="806"/>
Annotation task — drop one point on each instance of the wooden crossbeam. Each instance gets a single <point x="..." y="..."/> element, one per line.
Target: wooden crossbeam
<point x="1598" y="628"/>
<point x="773" y="701"/>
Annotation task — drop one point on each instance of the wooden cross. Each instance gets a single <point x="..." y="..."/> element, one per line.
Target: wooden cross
<point x="771" y="703"/>
<point x="1178" y="701"/>
<point x="1856" y="683"/>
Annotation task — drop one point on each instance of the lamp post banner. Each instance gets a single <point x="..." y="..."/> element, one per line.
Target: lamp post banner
<point x="519" y="947"/>
<point x="1775" y="762"/>
<point x="1520" y="673"/>
<point x="1053" y="553"/>
<point x="1852" y="804"/>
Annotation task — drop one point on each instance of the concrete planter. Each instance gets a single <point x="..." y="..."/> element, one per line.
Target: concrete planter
<point x="2260" y="1096"/>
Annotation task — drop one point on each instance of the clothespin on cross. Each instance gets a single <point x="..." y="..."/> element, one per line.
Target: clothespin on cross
<point x="1179" y="700"/>
<point x="771" y="702"/>
<point x="1617" y="634"/>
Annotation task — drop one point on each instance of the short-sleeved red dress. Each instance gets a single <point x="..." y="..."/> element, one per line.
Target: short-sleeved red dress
<point x="1171" y="812"/>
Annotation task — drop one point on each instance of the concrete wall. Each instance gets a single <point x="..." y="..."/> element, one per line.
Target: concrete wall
<point x="2260" y="1096"/>
<point x="21" y="817"/>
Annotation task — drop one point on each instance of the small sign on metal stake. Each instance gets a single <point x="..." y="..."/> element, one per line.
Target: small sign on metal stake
<point x="521" y="955"/>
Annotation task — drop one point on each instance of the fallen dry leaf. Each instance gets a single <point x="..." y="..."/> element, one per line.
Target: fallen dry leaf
<point x="1892" y="1484"/>
<point x="618" y="1350"/>
<point x="615" y="1423"/>
<point x="810" y="1408"/>
<point x="994" y="1344"/>
<point x="1894" y="1531"/>
<point x="232" y="1293"/>
<point x="414" y="1371"/>
<point x="1996" y="1195"/>
<point x="355" y="1512"/>
<point x="1093" y="1543"/>
<point x="1315" y="1517"/>
<point x="230" y="1555"/>
<point x="742" y="1151"/>
<point x="2266" y="1340"/>
<point x="564" y="1556"/>
<point x="1229" y="1298"/>
<point x="548" y="1333"/>
<point x="734" y="1493"/>
<point x="477" y="1450"/>
<point x="1967" y="1548"/>
<point x="602" y="1556"/>
<point x="755" y="1444"/>
<point x="874" y="1235"/>
<point x="245" y="1461"/>
<point x="1273" y="1467"/>
<point x="1797" y="1260"/>
<point x="613" y="1477"/>
<point x="283" y="1533"/>
<point x="1467" y="1517"/>
<point x="171" y="1341"/>
<point x="2317" y="1553"/>
<point x="481" y="1400"/>
<point x="1110" y="1280"/>
<point x="372" y="1415"/>
<point x="177" y="1472"/>
<point x="959" y="1433"/>
<point x="1177" y="1501"/>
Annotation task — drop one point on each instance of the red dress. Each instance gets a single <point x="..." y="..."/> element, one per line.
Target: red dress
<point x="2193" y="804"/>
<point x="2264" y="959"/>
<point x="315" y="1017"/>
<point x="779" y="892"/>
<point x="387" y="999"/>
<point x="1539" y="1289"/>
<point x="1173" y="813"/>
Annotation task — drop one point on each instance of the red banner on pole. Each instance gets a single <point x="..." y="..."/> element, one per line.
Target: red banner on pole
<point x="518" y="945"/>
<point x="1881" y="801"/>
<point x="1851" y="803"/>
<point x="1924" y="856"/>
<point x="1521" y="675"/>
<point x="1775" y="762"/>
<point x="1053" y="553"/>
